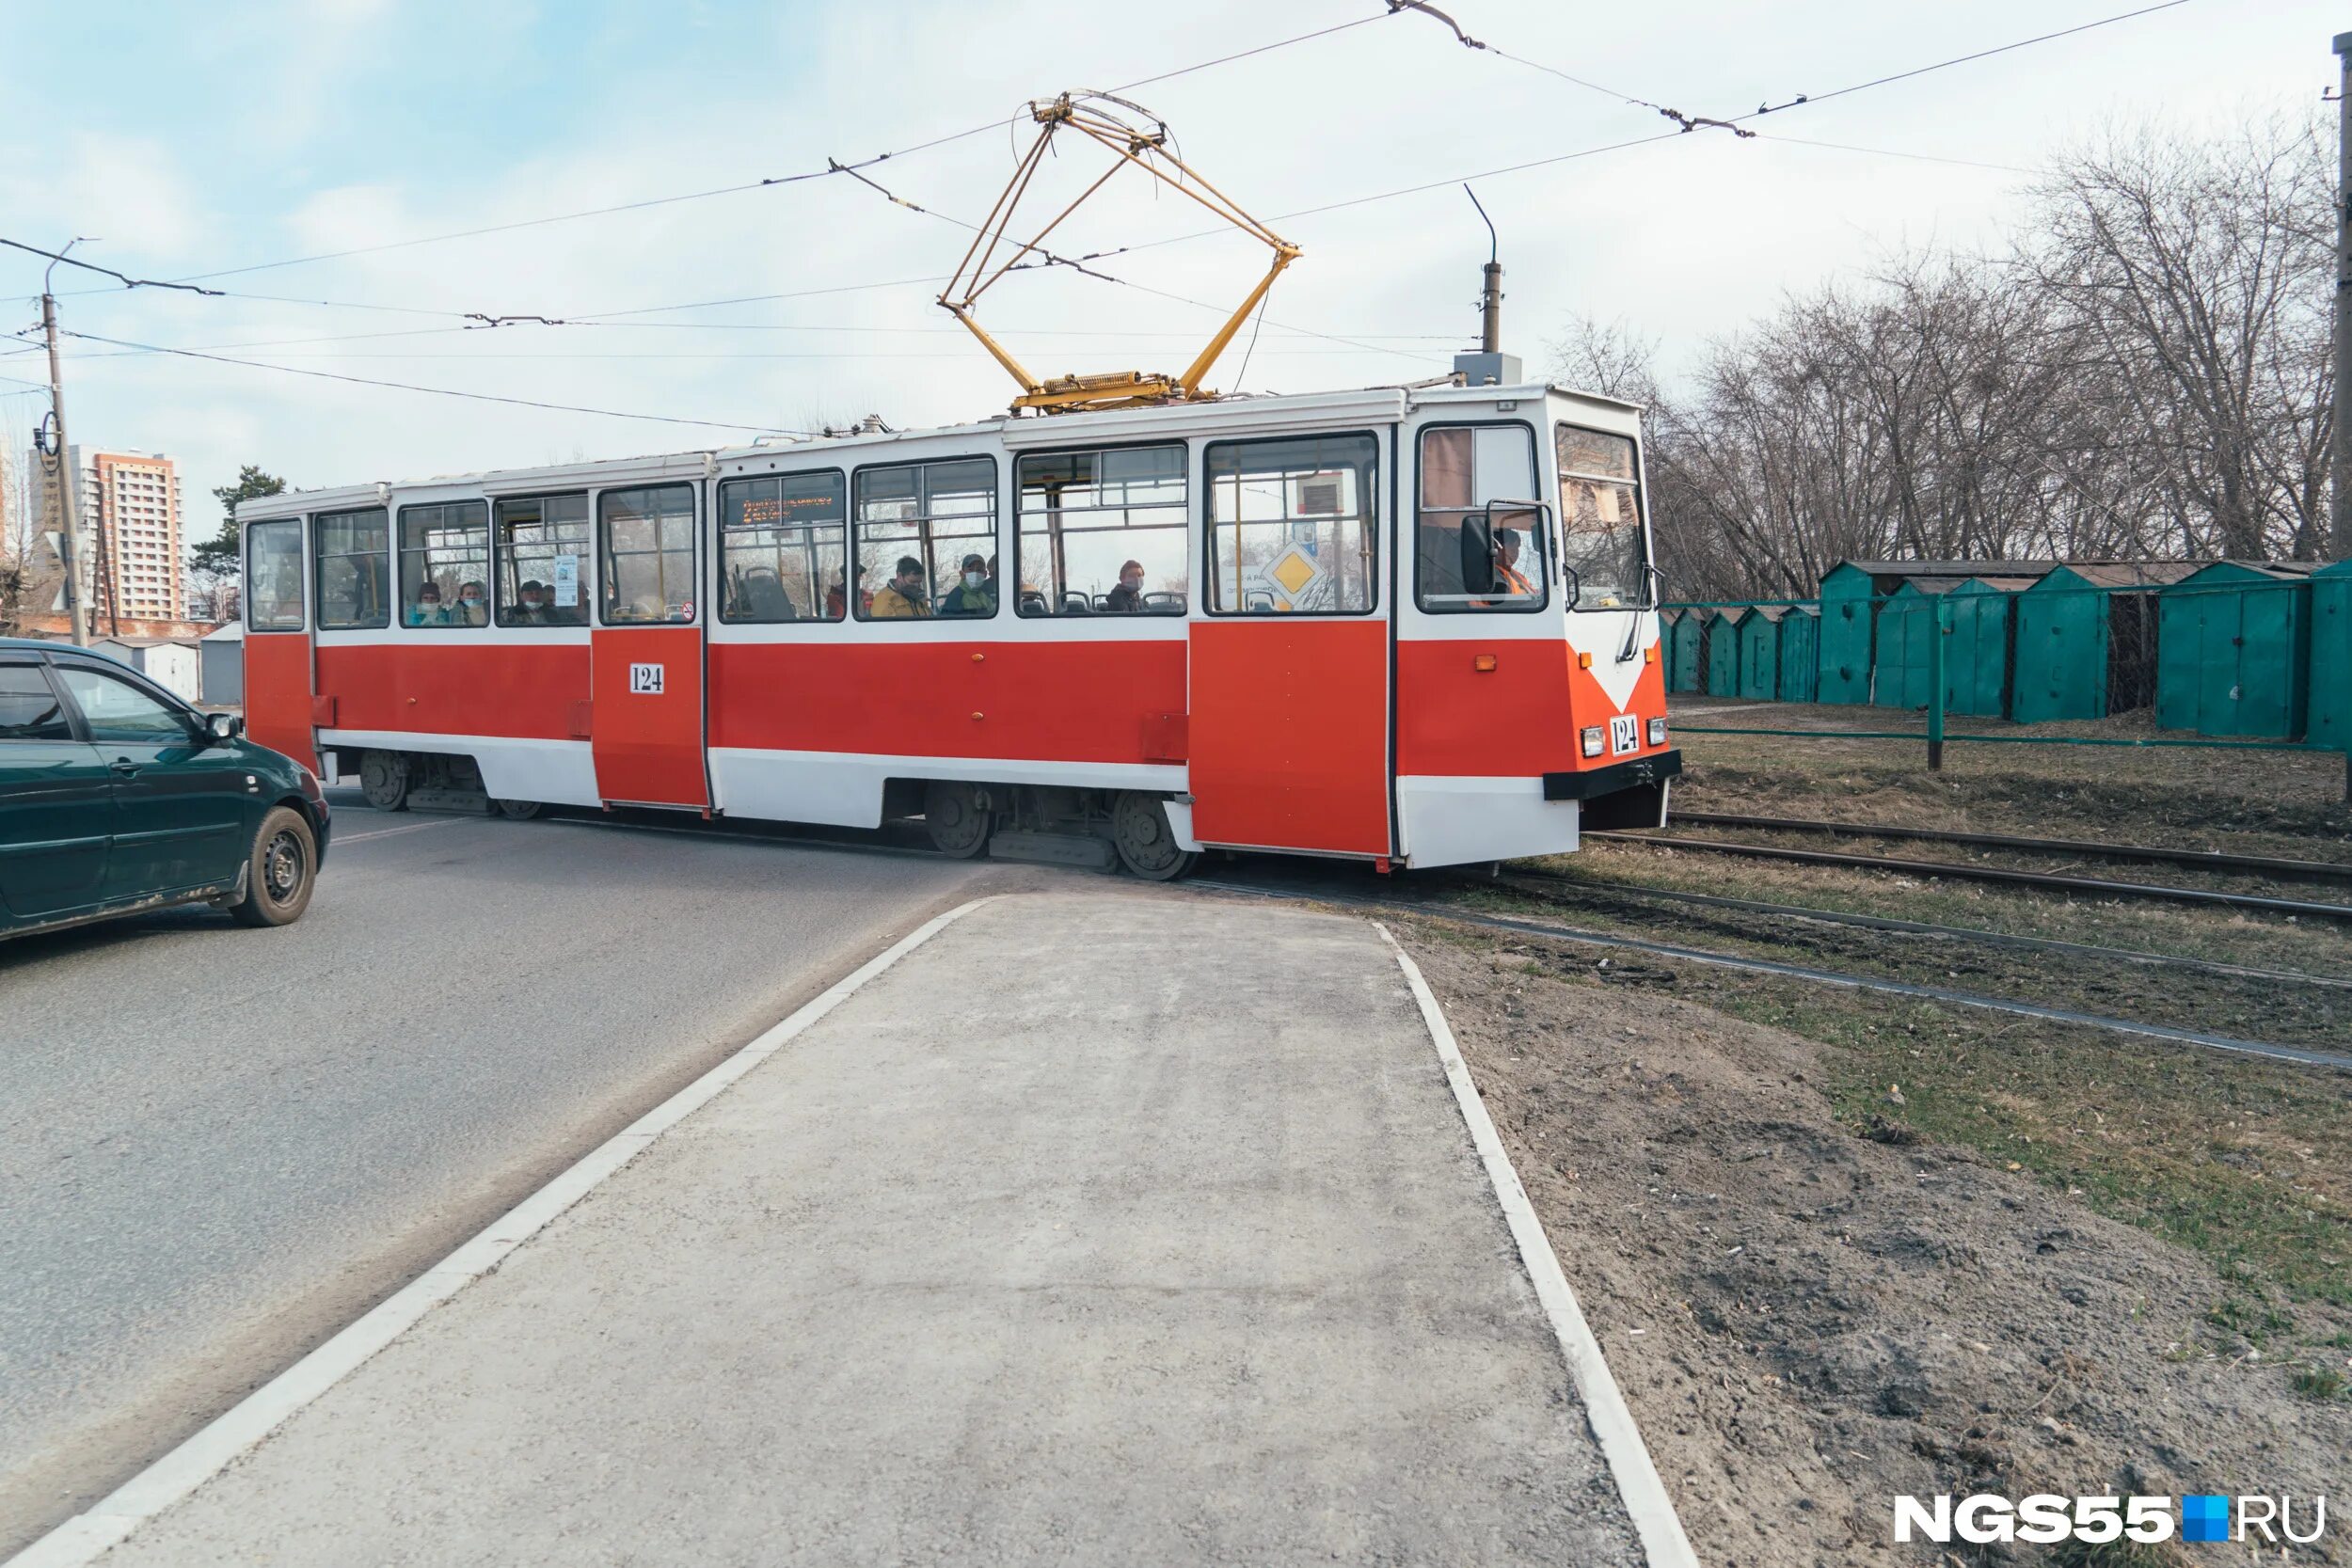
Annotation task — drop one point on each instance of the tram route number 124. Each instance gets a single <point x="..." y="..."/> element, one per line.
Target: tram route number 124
<point x="645" y="680"/>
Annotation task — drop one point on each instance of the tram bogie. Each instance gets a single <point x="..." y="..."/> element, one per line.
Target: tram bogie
<point x="1414" y="627"/>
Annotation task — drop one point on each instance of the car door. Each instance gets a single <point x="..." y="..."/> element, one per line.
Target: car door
<point x="57" y="804"/>
<point x="182" y="806"/>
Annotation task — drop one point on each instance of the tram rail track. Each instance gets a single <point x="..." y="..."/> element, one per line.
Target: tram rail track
<point x="2206" y="859"/>
<point x="1927" y="928"/>
<point x="1714" y="958"/>
<point x="2051" y="881"/>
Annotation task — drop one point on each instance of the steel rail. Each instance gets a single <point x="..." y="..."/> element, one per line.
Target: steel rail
<point x="1929" y="928"/>
<point x="2211" y="859"/>
<point x="1989" y="874"/>
<point x="2336" y="1060"/>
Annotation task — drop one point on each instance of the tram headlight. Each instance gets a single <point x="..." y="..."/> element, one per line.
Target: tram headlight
<point x="1658" y="732"/>
<point x="1591" y="738"/>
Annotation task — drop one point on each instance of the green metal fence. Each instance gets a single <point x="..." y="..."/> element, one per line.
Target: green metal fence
<point x="2238" y="659"/>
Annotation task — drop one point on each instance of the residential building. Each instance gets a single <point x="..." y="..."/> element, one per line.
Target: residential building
<point x="130" y="532"/>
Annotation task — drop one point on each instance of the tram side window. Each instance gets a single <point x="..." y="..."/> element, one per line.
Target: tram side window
<point x="1104" y="533"/>
<point x="354" y="569"/>
<point x="648" y="555"/>
<point x="1290" y="526"/>
<point x="272" y="576"/>
<point x="445" y="564"/>
<point x="542" y="562"/>
<point x="1600" y="518"/>
<point x="1473" y="551"/>
<point x="781" y="549"/>
<point x="924" y="531"/>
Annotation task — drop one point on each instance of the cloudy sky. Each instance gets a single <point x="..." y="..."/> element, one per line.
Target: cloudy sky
<point x="195" y="141"/>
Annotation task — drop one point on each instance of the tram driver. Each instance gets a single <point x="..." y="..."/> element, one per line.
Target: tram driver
<point x="1507" y="575"/>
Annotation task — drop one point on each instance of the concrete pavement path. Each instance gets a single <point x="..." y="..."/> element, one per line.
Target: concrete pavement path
<point x="219" y="1146"/>
<point x="1107" y="1226"/>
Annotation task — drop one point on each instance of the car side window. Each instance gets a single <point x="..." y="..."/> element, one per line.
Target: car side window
<point x="117" y="710"/>
<point x="29" y="709"/>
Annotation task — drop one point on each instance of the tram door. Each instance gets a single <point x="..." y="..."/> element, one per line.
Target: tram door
<point x="1289" y="727"/>
<point x="277" y="663"/>
<point x="645" y="653"/>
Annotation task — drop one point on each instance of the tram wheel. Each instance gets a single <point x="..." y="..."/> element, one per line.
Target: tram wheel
<point x="1146" y="845"/>
<point x="383" y="780"/>
<point x="956" y="816"/>
<point x="517" y="811"/>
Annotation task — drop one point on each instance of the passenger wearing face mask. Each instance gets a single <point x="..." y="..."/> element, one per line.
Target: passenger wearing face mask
<point x="976" y="594"/>
<point x="1127" y="598"/>
<point x="428" y="611"/>
<point x="472" y="609"/>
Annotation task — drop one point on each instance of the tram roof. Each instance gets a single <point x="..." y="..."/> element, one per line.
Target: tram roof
<point x="1239" y="413"/>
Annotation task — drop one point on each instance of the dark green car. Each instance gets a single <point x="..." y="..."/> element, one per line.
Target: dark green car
<point x="116" y="797"/>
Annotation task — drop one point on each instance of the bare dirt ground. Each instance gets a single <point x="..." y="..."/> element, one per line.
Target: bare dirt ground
<point x="1820" y="1290"/>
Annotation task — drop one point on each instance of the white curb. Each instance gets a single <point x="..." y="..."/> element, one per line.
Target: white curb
<point x="1654" y="1519"/>
<point x="87" y="1536"/>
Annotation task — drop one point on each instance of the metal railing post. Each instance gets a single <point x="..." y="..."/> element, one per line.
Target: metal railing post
<point x="1938" y="661"/>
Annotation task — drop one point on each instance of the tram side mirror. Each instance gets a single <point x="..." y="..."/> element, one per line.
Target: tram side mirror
<point x="1478" y="552"/>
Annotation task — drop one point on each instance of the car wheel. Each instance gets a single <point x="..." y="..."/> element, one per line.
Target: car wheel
<point x="517" y="811"/>
<point x="280" y="870"/>
<point x="1146" y="845"/>
<point x="383" y="780"/>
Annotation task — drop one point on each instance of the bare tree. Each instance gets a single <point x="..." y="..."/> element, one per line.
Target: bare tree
<point x="2199" y="278"/>
<point x="2145" y="373"/>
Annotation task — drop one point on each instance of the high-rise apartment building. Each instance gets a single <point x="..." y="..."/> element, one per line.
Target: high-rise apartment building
<point x="131" y="532"/>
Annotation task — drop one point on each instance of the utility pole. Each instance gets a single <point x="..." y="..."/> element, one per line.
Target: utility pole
<point x="69" y="478"/>
<point x="1489" y="296"/>
<point x="2340" y="432"/>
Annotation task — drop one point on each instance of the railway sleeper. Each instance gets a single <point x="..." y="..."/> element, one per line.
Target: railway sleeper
<point x="1099" y="830"/>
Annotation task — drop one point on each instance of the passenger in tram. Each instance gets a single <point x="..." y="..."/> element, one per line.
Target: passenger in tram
<point x="976" y="594"/>
<point x="529" y="612"/>
<point x="428" y="611"/>
<point x="837" y="600"/>
<point x="1127" y="598"/>
<point x="472" y="611"/>
<point x="902" y="597"/>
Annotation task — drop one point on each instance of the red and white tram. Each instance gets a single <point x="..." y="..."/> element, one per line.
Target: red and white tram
<point x="1414" y="625"/>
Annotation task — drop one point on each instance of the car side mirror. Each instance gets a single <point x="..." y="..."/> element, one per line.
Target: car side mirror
<point x="1478" y="552"/>
<point x="219" y="727"/>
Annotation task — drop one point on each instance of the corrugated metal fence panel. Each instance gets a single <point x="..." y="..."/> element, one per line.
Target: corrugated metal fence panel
<point x="1900" y="678"/>
<point x="1800" y="655"/>
<point x="2232" y="646"/>
<point x="1686" y="643"/>
<point x="1722" y="655"/>
<point x="2059" y="666"/>
<point x="1844" y="644"/>
<point x="2330" y="683"/>
<point x="1976" y="655"/>
<point x="1759" y="654"/>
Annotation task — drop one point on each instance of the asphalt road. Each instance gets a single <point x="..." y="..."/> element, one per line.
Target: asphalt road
<point x="218" y="1145"/>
